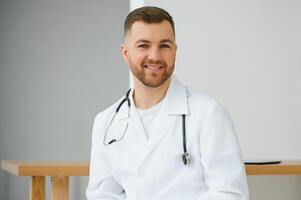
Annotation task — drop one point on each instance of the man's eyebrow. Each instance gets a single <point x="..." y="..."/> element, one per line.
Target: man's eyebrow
<point x="142" y="41"/>
<point x="166" y="41"/>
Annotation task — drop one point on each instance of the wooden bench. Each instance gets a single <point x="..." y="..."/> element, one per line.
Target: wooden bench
<point x="59" y="171"/>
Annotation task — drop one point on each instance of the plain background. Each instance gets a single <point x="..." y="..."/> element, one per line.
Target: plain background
<point x="60" y="65"/>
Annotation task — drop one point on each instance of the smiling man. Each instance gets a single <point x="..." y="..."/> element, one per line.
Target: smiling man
<point x="150" y="50"/>
<point x="162" y="141"/>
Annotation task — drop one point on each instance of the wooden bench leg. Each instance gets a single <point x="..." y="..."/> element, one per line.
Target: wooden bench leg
<point x="60" y="188"/>
<point x="37" y="188"/>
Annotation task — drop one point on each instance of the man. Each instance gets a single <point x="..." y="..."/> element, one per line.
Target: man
<point x="162" y="141"/>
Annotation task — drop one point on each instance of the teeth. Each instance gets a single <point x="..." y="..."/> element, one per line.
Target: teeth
<point x="153" y="68"/>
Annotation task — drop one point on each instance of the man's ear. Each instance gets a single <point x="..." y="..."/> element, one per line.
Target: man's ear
<point x="124" y="52"/>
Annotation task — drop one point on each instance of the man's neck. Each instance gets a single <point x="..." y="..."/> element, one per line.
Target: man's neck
<point x="146" y="97"/>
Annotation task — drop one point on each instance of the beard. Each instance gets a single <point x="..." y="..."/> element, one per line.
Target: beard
<point x="150" y="79"/>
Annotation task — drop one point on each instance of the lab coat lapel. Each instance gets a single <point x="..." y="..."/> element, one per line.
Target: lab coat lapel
<point x="175" y="104"/>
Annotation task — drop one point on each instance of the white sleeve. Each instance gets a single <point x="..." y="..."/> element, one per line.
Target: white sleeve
<point x="102" y="185"/>
<point x="223" y="165"/>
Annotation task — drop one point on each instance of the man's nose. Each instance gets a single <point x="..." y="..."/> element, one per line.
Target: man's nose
<point x="154" y="54"/>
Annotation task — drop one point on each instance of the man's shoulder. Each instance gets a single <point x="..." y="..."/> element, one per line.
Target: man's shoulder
<point x="202" y="104"/>
<point x="195" y="98"/>
<point x="200" y="98"/>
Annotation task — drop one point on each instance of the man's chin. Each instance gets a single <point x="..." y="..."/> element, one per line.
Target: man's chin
<point x="153" y="83"/>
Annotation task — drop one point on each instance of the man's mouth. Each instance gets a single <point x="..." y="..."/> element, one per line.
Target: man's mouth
<point x="153" y="68"/>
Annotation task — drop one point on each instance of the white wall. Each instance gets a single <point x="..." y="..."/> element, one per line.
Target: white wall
<point x="59" y="65"/>
<point x="247" y="54"/>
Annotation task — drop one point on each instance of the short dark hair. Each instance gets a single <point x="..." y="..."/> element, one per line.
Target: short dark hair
<point x="148" y="14"/>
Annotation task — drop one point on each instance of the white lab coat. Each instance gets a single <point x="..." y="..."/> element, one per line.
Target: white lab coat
<point x="142" y="168"/>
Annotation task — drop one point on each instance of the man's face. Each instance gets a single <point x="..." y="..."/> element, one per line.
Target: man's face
<point x="150" y="51"/>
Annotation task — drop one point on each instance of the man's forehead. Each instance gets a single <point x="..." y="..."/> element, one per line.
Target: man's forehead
<point x="143" y="31"/>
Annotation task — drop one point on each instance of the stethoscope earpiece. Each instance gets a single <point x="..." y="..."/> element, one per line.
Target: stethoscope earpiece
<point x="112" y="141"/>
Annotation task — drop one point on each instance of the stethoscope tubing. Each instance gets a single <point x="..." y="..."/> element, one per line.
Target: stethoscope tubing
<point x="185" y="156"/>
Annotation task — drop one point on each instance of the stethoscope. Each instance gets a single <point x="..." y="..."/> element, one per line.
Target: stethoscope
<point x="185" y="156"/>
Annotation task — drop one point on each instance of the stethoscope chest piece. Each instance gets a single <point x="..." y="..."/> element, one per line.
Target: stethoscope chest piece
<point x="186" y="159"/>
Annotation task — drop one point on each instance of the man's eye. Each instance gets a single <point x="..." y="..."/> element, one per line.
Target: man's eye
<point x="165" y="46"/>
<point x="142" y="46"/>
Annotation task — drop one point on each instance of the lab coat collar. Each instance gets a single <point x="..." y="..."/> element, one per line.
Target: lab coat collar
<point x="176" y="98"/>
<point x="175" y="101"/>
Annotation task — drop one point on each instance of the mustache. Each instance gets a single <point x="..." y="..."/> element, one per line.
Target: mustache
<point x="156" y="62"/>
